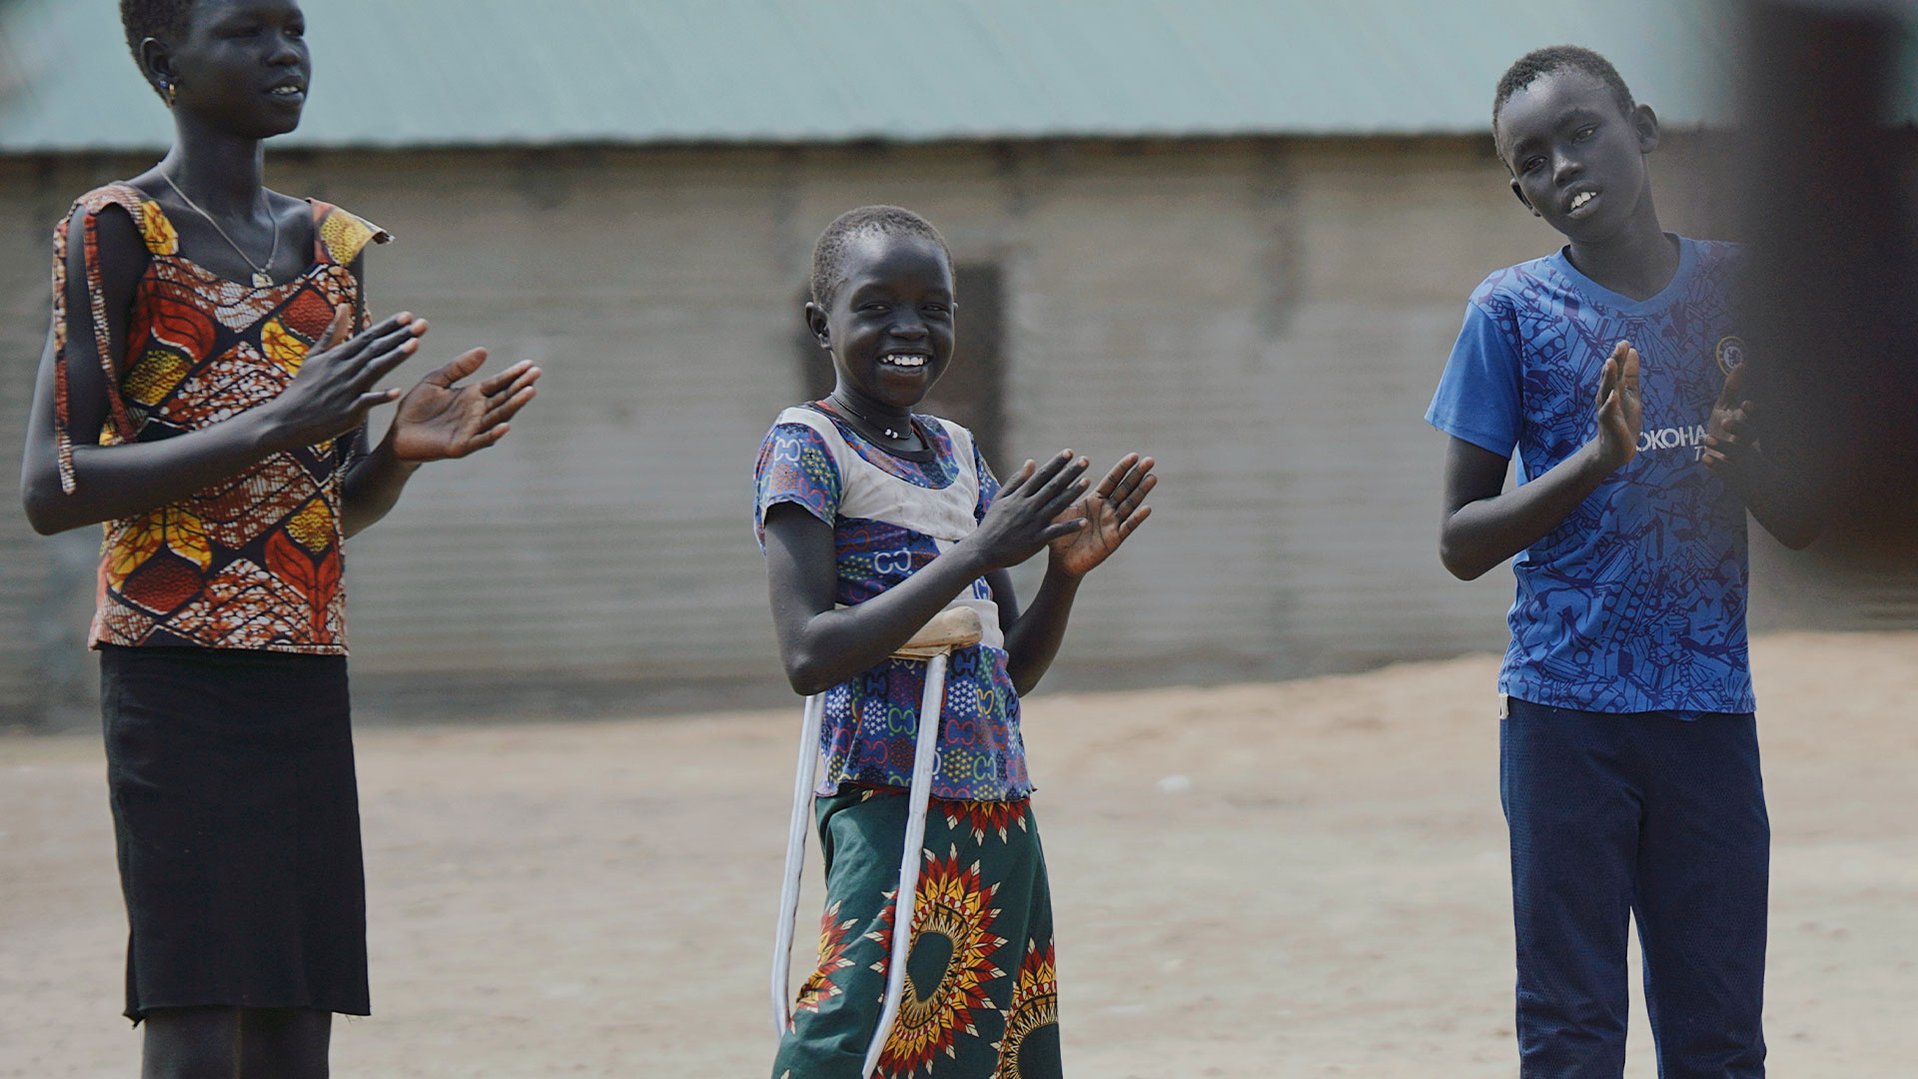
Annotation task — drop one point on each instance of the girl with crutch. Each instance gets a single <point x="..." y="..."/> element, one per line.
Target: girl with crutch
<point x="874" y="520"/>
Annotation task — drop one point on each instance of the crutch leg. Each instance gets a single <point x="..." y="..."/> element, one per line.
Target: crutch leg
<point x="921" y="794"/>
<point x="954" y="628"/>
<point x="803" y="780"/>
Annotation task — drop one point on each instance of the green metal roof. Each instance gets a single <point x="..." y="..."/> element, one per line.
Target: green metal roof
<point x="394" y="73"/>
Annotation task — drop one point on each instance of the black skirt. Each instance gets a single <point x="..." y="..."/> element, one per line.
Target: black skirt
<point x="237" y="818"/>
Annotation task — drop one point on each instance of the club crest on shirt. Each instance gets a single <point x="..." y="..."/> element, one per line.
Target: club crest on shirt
<point x="1731" y="352"/>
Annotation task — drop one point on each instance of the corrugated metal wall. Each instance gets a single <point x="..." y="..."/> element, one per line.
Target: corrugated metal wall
<point x="46" y="585"/>
<point x="24" y="573"/>
<point x="1267" y="317"/>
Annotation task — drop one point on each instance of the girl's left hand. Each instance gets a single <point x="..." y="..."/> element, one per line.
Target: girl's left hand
<point x="1112" y="511"/>
<point x="437" y="419"/>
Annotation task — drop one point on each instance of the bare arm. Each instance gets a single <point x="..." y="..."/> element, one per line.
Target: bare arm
<point x="822" y="646"/>
<point x="373" y="485"/>
<point x="1033" y="636"/>
<point x="330" y="396"/>
<point x="1482" y="527"/>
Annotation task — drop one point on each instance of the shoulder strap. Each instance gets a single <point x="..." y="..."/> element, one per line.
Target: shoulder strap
<point x="339" y="237"/>
<point x="156" y="229"/>
<point x="158" y="235"/>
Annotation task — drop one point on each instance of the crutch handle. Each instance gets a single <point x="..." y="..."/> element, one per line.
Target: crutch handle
<point x="950" y="629"/>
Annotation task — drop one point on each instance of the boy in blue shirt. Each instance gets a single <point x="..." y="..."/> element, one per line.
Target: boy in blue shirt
<point x="1629" y="755"/>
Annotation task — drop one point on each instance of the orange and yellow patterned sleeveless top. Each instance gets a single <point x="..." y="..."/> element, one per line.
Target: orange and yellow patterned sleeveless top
<point x="255" y="561"/>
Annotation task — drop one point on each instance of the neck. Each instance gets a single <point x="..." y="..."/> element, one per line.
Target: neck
<point x="865" y="407"/>
<point x="225" y="174"/>
<point x="1638" y="261"/>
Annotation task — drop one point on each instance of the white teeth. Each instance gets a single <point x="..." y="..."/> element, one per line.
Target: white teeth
<point x="1583" y="198"/>
<point x="904" y="361"/>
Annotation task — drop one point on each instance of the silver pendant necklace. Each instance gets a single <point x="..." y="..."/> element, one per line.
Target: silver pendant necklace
<point x="261" y="279"/>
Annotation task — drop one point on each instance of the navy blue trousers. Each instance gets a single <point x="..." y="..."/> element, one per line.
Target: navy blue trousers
<point x="1646" y="815"/>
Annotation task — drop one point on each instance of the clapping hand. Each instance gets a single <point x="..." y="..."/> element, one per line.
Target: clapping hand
<point x="1111" y="511"/>
<point x="1728" y="434"/>
<point x="1621" y="411"/>
<point x="1031" y="511"/>
<point x="440" y="419"/>
<point x="333" y="388"/>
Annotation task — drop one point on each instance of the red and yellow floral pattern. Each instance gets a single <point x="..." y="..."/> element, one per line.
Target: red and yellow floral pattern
<point x="254" y="561"/>
<point x="1035" y="1005"/>
<point x="835" y="940"/>
<point x="979" y="979"/>
<point x="987" y="818"/>
<point x="954" y="903"/>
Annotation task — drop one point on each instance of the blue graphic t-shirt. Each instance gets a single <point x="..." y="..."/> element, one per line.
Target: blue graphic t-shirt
<point x="1636" y="601"/>
<point x="892" y="514"/>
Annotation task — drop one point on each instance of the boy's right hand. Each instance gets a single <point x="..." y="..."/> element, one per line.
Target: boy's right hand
<point x="1023" y="517"/>
<point x="1621" y="412"/>
<point x="332" y="392"/>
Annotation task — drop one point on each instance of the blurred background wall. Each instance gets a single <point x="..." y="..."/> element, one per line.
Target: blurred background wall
<point x="1238" y="236"/>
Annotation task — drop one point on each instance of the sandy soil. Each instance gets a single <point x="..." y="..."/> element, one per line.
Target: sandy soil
<point x="1302" y="879"/>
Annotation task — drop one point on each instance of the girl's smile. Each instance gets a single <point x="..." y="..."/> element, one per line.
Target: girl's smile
<point x="889" y="323"/>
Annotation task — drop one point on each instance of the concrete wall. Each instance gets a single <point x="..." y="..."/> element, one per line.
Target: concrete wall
<point x="1267" y="317"/>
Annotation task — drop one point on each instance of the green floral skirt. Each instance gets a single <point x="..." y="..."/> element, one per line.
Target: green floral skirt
<point x="982" y="993"/>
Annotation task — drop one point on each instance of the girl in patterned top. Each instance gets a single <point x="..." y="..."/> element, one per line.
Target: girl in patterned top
<point x="873" y="520"/>
<point x="204" y="395"/>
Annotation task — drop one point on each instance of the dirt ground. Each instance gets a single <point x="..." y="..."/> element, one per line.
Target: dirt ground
<point x="1300" y="879"/>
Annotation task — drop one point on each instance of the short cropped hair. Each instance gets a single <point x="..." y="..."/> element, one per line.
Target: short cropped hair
<point x="162" y="19"/>
<point x="829" y="253"/>
<point x="1539" y="63"/>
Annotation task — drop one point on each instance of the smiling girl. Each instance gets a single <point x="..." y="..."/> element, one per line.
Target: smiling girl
<point x="204" y="396"/>
<point x="874" y="519"/>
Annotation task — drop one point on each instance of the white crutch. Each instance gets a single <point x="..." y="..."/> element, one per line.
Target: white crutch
<point x="954" y="628"/>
